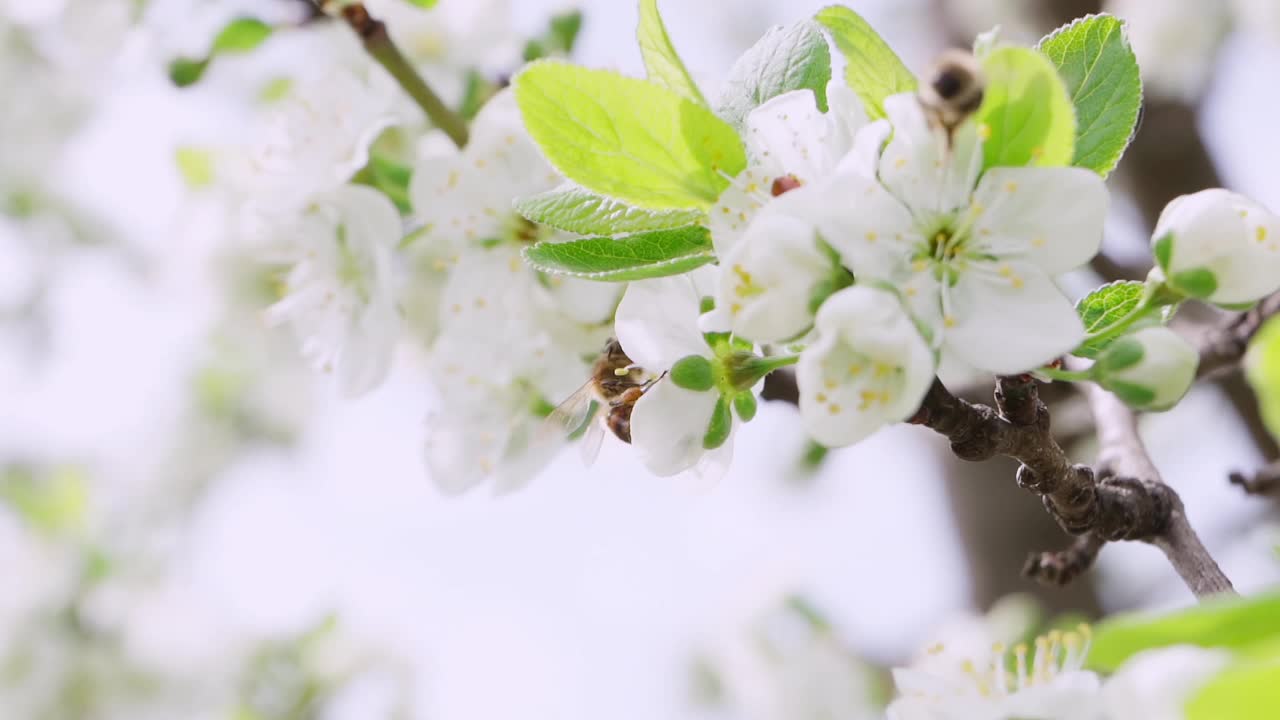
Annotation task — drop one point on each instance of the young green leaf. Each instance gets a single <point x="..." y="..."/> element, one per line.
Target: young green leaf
<point x="1262" y="368"/>
<point x="576" y="210"/>
<point x="1101" y="73"/>
<point x="424" y="4"/>
<point x="627" y="138"/>
<point x="785" y="59"/>
<point x="238" y="36"/>
<point x="872" y="69"/>
<point x="241" y="35"/>
<point x="1247" y="692"/>
<point x="635" y="257"/>
<point x="660" y="57"/>
<point x="1026" y="116"/>
<point x="1101" y="309"/>
<point x="1227" y="622"/>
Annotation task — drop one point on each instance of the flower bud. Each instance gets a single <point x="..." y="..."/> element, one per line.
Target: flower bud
<point x="1219" y="247"/>
<point x="1149" y="370"/>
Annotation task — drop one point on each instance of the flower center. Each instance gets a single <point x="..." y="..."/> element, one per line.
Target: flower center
<point x="1054" y="654"/>
<point x="877" y="382"/>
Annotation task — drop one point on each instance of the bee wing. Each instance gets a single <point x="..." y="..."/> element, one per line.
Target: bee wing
<point x="567" y="419"/>
<point x="589" y="447"/>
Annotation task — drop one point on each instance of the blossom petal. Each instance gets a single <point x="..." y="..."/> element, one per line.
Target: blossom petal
<point x="657" y="322"/>
<point x="1008" y="318"/>
<point x="918" y="166"/>
<point x="871" y="229"/>
<point x="868" y="367"/>
<point x="767" y="281"/>
<point x="1052" y="216"/>
<point x="668" y="424"/>
<point x="790" y="135"/>
<point x="737" y="207"/>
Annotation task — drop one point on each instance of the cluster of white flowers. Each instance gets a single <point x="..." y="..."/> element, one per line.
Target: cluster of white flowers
<point x="873" y="256"/>
<point x="950" y="263"/>
<point x="1046" y="679"/>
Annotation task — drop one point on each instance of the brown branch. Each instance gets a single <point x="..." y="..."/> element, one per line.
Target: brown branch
<point x="1264" y="482"/>
<point x="378" y="44"/>
<point x="1123" y="457"/>
<point x="1120" y="502"/>
<point x="1057" y="569"/>
<point x="1223" y="346"/>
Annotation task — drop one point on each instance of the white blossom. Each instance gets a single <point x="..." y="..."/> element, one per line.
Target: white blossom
<point x="974" y="259"/>
<point x="866" y="367"/>
<point x="657" y="325"/>
<point x="1219" y="247"/>
<point x="1047" y="683"/>
<point x="339" y="296"/>
<point x="1151" y="369"/>
<point x="790" y="143"/>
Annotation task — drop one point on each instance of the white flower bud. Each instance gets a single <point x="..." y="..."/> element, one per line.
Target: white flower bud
<point x="1219" y="247"/>
<point x="1150" y="370"/>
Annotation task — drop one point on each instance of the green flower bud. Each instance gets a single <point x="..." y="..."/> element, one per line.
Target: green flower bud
<point x="1149" y="370"/>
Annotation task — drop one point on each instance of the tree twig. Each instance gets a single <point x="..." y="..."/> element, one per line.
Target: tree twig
<point x="1123" y="456"/>
<point x="1223" y="346"/>
<point x="1059" y="568"/>
<point x="377" y="42"/>
<point x="1123" y="500"/>
<point x="1264" y="482"/>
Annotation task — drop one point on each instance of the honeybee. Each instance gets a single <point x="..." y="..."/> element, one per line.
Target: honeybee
<point x="953" y="92"/>
<point x="615" y="384"/>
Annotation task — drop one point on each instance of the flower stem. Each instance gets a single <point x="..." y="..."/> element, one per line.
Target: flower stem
<point x="377" y="42"/>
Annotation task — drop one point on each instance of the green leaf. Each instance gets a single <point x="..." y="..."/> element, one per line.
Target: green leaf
<point x="635" y="257"/>
<point x="627" y="138"/>
<point x="785" y="59"/>
<point x="52" y="501"/>
<point x="240" y="36"/>
<point x="184" y="72"/>
<point x="390" y="177"/>
<point x="1227" y="622"/>
<point x="196" y="166"/>
<point x="575" y="210"/>
<point x="1262" y="368"/>
<point x="424" y="4"/>
<point x="1249" y="692"/>
<point x="872" y="69"/>
<point x="1026" y="115"/>
<point x="1102" y="308"/>
<point x="559" y="39"/>
<point x="661" y="60"/>
<point x="1100" y="71"/>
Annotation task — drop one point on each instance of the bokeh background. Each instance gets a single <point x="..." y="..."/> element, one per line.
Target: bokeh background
<point x="193" y="525"/>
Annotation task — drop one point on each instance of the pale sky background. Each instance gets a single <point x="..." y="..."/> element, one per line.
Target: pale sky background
<point x="584" y="595"/>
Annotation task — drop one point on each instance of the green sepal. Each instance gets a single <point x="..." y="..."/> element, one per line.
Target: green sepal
<point x="721" y="425"/>
<point x="1198" y="283"/>
<point x="693" y="372"/>
<point x="1135" y="396"/>
<point x="744" y="403"/>
<point x="1123" y="353"/>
